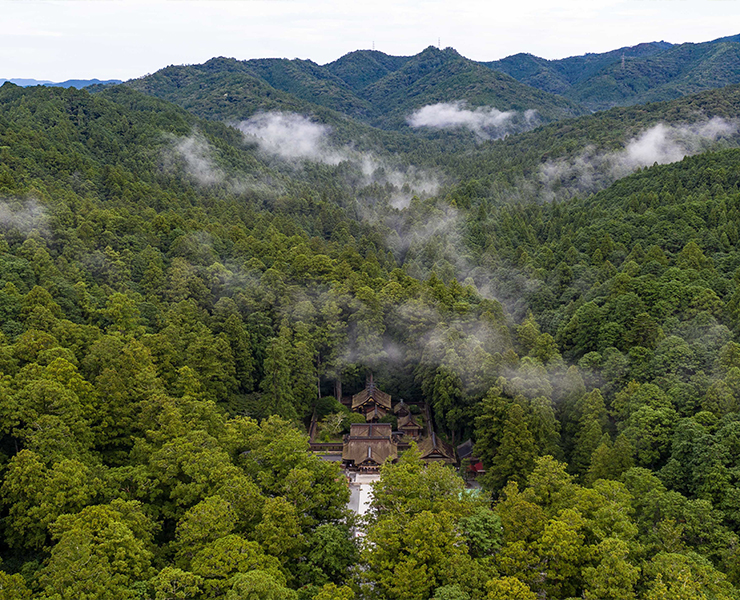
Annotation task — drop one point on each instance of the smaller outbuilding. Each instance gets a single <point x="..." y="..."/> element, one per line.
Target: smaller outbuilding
<point x="434" y="449"/>
<point x="465" y="450"/>
<point x="401" y="409"/>
<point x="409" y="427"/>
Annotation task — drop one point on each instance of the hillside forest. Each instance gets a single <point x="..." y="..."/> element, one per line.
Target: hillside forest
<point x="195" y="263"/>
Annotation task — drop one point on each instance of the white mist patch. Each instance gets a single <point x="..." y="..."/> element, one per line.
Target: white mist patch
<point x="291" y="136"/>
<point x="407" y="182"/>
<point x="445" y="225"/>
<point x="196" y="153"/>
<point x="662" y="144"/>
<point x="665" y="144"/>
<point x="23" y="215"/>
<point x="195" y="156"/>
<point x="485" y="121"/>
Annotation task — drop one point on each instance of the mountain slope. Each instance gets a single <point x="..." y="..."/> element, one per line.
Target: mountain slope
<point x="225" y="88"/>
<point x="557" y="76"/>
<point x="533" y="70"/>
<point x="310" y="82"/>
<point x="153" y="147"/>
<point x="632" y="75"/>
<point x="445" y="76"/>
<point x="219" y="89"/>
<point x="361" y="68"/>
<point x="551" y="158"/>
<point x="165" y="339"/>
<point x="228" y="89"/>
<point x="676" y="72"/>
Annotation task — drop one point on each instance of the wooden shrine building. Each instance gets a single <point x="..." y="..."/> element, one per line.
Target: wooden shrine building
<point x="402" y="409"/>
<point x="371" y="402"/>
<point x="435" y="450"/>
<point x="408" y="426"/>
<point x="368" y="446"/>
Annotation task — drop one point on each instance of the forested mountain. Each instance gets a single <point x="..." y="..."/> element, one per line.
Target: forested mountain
<point x="435" y="76"/>
<point x="361" y="68"/>
<point x="586" y="154"/>
<point x="227" y="88"/>
<point x="644" y="73"/>
<point x="133" y="425"/>
<point x="558" y="76"/>
<point x="499" y="164"/>
<point x="678" y="71"/>
<point x="382" y="90"/>
<point x="220" y="89"/>
<point x="179" y="296"/>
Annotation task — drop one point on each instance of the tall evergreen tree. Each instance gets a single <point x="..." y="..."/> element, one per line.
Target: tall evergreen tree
<point x="516" y="453"/>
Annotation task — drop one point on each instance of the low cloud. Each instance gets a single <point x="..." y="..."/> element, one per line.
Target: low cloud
<point x="196" y="154"/>
<point x="415" y="334"/>
<point x="406" y="182"/>
<point x="664" y="144"/>
<point x="485" y="121"/>
<point x="25" y="216"/>
<point x="291" y="136"/>
<point x="592" y="170"/>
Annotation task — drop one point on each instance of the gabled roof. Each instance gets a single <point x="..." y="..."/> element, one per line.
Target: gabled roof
<point x="375" y="414"/>
<point x="465" y="449"/>
<point x="432" y="448"/>
<point x="408" y="422"/>
<point x="401" y="407"/>
<point x="371" y="394"/>
<point x="370" y="430"/>
<point x="369" y="443"/>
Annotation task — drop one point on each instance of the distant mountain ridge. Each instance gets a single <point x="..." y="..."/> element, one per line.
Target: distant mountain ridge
<point x="77" y="83"/>
<point x="650" y="72"/>
<point x="558" y="76"/>
<point x="382" y="90"/>
<point x="377" y="89"/>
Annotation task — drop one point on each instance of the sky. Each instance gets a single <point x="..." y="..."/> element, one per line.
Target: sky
<point x="123" y="39"/>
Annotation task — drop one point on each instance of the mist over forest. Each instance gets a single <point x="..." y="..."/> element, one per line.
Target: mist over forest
<point x="218" y="281"/>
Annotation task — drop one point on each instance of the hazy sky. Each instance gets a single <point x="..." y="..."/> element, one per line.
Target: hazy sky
<point x="64" y="39"/>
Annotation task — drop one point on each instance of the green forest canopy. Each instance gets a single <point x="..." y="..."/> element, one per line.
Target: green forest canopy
<point x="170" y="298"/>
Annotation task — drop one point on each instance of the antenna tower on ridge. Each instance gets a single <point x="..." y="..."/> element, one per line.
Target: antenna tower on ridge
<point x="373" y="45"/>
<point x="439" y="43"/>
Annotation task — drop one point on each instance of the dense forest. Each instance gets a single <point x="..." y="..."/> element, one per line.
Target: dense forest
<point x="381" y="89"/>
<point x="178" y="298"/>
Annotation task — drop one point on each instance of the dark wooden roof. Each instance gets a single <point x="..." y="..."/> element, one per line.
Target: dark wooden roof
<point x="402" y="407"/>
<point x="465" y="449"/>
<point x="408" y="422"/>
<point x="371" y="394"/>
<point x="376" y="413"/>
<point x="432" y="448"/>
<point x="369" y="443"/>
<point x="370" y="430"/>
